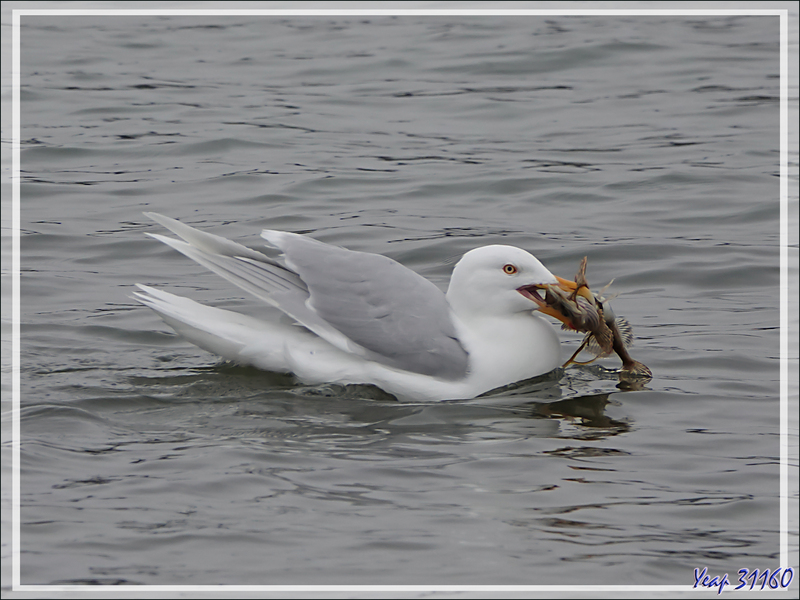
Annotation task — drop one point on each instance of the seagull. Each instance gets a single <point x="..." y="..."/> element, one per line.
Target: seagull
<point x="362" y="318"/>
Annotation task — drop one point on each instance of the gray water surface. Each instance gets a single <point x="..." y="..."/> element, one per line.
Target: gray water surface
<point x="649" y="144"/>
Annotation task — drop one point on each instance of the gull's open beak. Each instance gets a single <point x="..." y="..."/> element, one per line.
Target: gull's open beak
<point x="566" y="284"/>
<point x="536" y="293"/>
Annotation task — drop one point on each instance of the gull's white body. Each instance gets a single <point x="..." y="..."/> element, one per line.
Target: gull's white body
<point x="414" y="342"/>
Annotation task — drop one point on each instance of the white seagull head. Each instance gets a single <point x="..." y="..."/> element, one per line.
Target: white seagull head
<point x="488" y="281"/>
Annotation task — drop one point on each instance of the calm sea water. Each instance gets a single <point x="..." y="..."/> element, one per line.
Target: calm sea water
<point x="648" y="144"/>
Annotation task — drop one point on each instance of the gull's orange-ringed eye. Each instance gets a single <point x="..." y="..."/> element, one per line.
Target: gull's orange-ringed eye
<point x="510" y="270"/>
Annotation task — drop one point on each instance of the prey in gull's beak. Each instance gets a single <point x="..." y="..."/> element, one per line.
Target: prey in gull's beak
<point x="572" y="303"/>
<point x="579" y="309"/>
<point x="547" y="296"/>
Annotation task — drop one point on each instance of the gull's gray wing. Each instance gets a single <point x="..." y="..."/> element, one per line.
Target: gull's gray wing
<point x="378" y="303"/>
<point x="366" y="304"/>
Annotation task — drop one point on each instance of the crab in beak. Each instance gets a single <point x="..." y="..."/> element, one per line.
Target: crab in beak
<point x="579" y="309"/>
<point x="566" y="301"/>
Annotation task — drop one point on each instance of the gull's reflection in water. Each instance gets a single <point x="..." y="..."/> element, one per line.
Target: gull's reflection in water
<point x="572" y="397"/>
<point x="588" y="411"/>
